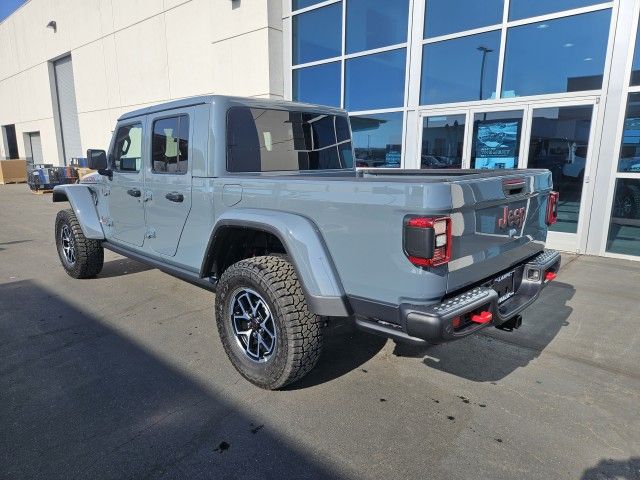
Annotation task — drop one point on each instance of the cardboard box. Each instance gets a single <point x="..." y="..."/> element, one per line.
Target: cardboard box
<point x="83" y="172"/>
<point x="13" y="171"/>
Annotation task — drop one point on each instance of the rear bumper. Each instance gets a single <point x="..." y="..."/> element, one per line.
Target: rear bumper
<point x="452" y="318"/>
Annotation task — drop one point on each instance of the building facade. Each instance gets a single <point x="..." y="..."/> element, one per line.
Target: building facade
<point x="429" y="84"/>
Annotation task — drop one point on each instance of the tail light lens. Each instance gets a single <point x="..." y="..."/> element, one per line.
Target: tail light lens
<point x="427" y="241"/>
<point x="552" y="208"/>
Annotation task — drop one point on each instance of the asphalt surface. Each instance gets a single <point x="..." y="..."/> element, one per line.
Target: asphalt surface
<point x="123" y="376"/>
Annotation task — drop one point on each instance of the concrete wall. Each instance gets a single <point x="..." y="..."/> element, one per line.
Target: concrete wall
<point x="131" y="53"/>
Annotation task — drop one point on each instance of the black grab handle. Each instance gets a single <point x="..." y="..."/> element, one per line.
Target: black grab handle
<point x="174" y="197"/>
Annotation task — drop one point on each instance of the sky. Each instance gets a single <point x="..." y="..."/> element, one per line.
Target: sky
<point x="7" y="7"/>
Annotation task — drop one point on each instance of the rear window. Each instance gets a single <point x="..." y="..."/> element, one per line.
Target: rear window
<point x="263" y="140"/>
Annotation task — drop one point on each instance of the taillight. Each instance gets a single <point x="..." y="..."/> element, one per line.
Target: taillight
<point x="427" y="241"/>
<point x="552" y="208"/>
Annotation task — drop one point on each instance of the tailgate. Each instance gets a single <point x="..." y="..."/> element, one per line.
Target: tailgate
<point x="497" y="221"/>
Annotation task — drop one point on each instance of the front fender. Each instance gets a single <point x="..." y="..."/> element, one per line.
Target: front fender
<point x="306" y="249"/>
<point x="83" y="206"/>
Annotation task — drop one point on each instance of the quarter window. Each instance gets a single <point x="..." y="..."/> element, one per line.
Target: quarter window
<point x="127" y="149"/>
<point x="262" y="140"/>
<point x="170" y="145"/>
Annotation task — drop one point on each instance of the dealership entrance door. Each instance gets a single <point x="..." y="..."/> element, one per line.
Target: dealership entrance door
<point x="557" y="135"/>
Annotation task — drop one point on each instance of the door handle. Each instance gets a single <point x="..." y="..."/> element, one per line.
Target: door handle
<point x="134" y="192"/>
<point x="174" y="197"/>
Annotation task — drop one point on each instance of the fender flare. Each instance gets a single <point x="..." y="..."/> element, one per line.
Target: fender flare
<point x="83" y="204"/>
<point x="305" y="247"/>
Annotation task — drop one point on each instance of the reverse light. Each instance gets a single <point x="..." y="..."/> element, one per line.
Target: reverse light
<point x="427" y="241"/>
<point x="552" y="208"/>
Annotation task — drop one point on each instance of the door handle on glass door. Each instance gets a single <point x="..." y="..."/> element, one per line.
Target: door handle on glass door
<point x="174" y="197"/>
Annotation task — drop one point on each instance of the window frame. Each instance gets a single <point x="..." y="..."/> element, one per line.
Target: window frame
<point x="165" y="117"/>
<point x="111" y="156"/>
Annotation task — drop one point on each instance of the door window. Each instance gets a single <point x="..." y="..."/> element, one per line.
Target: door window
<point x="170" y="145"/>
<point x="496" y="139"/>
<point x="442" y="141"/>
<point x="559" y="142"/>
<point x="127" y="149"/>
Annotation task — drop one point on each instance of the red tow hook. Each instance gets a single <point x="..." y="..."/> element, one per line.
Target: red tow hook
<point x="482" y="317"/>
<point x="550" y="276"/>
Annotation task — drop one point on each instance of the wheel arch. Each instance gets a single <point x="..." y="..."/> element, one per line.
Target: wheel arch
<point x="298" y="238"/>
<point x="83" y="204"/>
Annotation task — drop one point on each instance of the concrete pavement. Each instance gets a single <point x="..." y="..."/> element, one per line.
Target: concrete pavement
<point x="123" y="376"/>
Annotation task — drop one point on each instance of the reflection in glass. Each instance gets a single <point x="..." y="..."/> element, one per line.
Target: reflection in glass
<point x="562" y="55"/>
<point x="560" y="143"/>
<point x="262" y="140"/>
<point x="376" y="23"/>
<point x="635" y="69"/>
<point x="624" y="230"/>
<point x="442" y="17"/>
<point x="377" y="139"/>
<point x="630" y="149"/>
<point x="375" y="81"/>
<point x="527" y="8"/>
<point x="319" y="84"/>
<point x="442" y="141"/>
<point x="471" y="76"/>
<point x="317" y="34"/>
<point x="298" y="4"/>
<point x="496" y="139"/>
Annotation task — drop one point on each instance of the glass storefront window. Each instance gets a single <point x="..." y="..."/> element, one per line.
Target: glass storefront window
<point x="377" y="139"/>
<point x="560" y="142"/>
<point x="527" y="8"/>
<point x="635" y="69"/>
<point x="496" y="139"/>
<point x="442" y="17"/>
<point x="319" y="84"/>
<point x="630" y="150"/>
<point x="624" y="229"/>
<point x="375" y="81"/>
<point x="317" y="34"/>
<point x="442" y="141"/>
<point x="562" y="55"/>
<point x="461" y="69"/>
<point x="298" y="4"/>
<point x="376" y="23"/>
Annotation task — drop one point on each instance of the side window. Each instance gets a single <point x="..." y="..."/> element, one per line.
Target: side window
<point x="263" y="140"/>
<point x="170" y="145"/>
<point x="127" y="149"/>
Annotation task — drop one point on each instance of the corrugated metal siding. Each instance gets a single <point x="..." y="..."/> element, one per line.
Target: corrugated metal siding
<point x="36" y="147"/>
<point x="67" y="108"/>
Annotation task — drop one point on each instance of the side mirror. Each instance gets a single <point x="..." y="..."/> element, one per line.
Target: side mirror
<point x="97" y="160"/>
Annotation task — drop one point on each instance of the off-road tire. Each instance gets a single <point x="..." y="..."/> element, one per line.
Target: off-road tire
<point x="298" y="330"/>
<point x="89" y="254"/>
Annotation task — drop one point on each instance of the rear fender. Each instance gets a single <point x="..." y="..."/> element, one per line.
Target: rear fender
<point x="83" y="205"/>
<point x="304" y="246"/>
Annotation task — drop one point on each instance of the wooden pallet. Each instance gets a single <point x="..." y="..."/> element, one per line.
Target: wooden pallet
<point x="7" y="182"/>
<point x="41" y="192"/>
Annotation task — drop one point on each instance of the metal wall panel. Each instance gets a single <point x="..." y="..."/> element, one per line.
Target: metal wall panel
<point x="36" y="147"/>
<point x="67" y="109"/>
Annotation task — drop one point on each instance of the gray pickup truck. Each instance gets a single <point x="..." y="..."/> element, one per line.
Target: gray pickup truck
<point x="259" y="201"/>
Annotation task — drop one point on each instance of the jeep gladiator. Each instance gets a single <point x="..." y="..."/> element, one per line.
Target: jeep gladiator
<point x="259" y="201"/>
